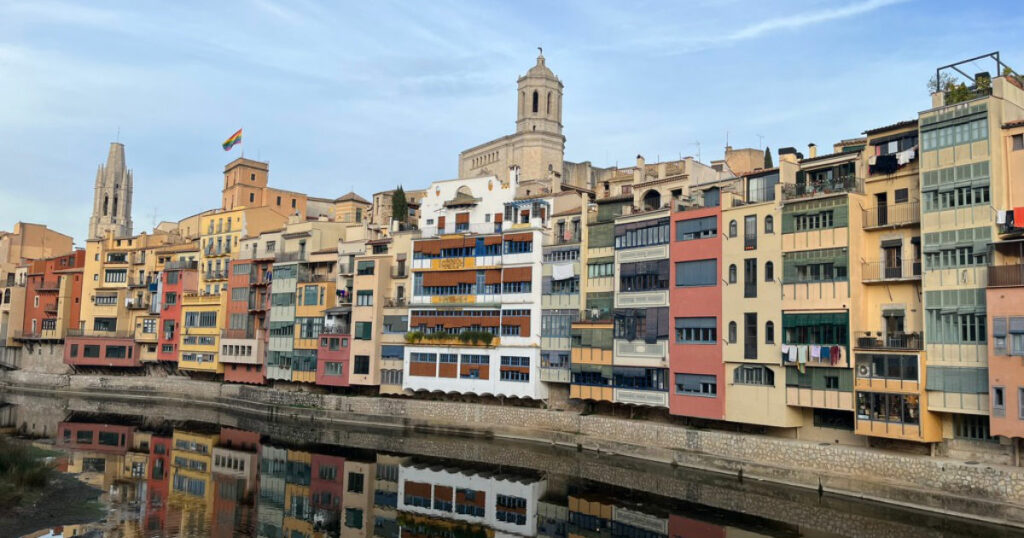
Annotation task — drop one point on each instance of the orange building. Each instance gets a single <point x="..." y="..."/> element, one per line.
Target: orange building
<point x="53" y="297"/>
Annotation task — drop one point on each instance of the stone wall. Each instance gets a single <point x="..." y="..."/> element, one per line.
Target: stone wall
<point x="986" y="491"/>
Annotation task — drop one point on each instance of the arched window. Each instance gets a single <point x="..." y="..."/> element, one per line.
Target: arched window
<point x="106" y="202"/>
<point x="769" y="225"/>
<point x="252" y="197"/>
<point x="732" y="274"/>
<point x="769" y="271"/>
<point x="733" y="228"/>
<point x="522" y="103"/>
<point x="769" y="332"/>
<point x="536" y="101"/>
<point x="732" y="332"/>
<point x="652" y="199"/>
<point x="7" y="296"/>
<point x="548" y="109"/>
<point x="113" y="211"/>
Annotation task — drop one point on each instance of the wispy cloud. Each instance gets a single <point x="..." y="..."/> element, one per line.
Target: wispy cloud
<point x="800" y="20"/>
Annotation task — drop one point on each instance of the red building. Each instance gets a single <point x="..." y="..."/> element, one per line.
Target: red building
<point x="327" y="485"/>
<point x="695" y="355"/>
<point x="244" y="341"/>
<point x="157" y="483"/>
<point x="115" y="352"/>
<point x="53" y="297"/>
<point x="332" y="365"/>
<point x="177" y="279"/>
<point x="105" y="438"/>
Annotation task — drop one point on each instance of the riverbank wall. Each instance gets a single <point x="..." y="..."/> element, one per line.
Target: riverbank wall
<point x="984" y="492"/>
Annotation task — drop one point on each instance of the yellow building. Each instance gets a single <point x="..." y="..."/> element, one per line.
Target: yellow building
<point x="200" y="334"/>
<point x="887" y="324"/>
<point x="192" y="479"/>
<point x="754" y="372"/>
<point x="220" y="233"/>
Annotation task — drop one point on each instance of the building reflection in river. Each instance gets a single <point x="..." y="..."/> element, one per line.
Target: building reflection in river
<point x="201" y="480"/>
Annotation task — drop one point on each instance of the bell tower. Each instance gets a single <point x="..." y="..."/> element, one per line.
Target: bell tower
<point x="540" y="100"/>
<point x="112" y="200"/>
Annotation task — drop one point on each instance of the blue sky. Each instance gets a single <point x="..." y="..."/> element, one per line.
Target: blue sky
<point x="372" y="94"/>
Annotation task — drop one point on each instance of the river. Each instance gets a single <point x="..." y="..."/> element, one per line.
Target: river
<point x="190" y="471"/>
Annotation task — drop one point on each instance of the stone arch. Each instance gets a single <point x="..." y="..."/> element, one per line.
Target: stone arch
<point x="652" y="199"/>
<point x="536" y="101"/>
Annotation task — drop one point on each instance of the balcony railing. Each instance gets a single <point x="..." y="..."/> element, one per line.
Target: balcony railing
<point x="239" y="334"/>
<point x="749" y="241"/>
<point x="101" y="334"/>
<point x="450" y="228"/>
<point x="335" y="328"/>
<point x="892" y="215"/>
<point x="290" y="256"/>
<point x="395" y="303"/>
<point x="178" y="265"/>
<point x="396" y="273"/>
<point x="1005" y="275"/>
<point x="902" y="269"/>
<point x="796" y="191"/>
<point x="136" y="304"/>
<point x="898" y="341"/>
<point x="257" y="303"/>
<point x="49" y="286"/>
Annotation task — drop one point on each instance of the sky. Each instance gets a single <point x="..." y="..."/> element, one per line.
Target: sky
<point x="369" y="95"/>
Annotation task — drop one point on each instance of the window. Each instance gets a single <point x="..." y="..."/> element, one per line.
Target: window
<point x="361" y="365"/>
<point x="753" y="375"/>
<point x="104" y="324"/>
<point x="750" y="232"/>
<point x="649" y="325"/>
<point x="732" y="332"/>
<point x="355" y="482"/>
<point x="733" y="228"/>
<point x="769" y="332"/>
<point x="240" y="294"/>
<point x="1020" y="403"/>
<point x="696" y="330"/>
<point x="697" y="273"/>
<point x="568" y="286"/>
<point x="998" y="402"/>
<point x="951" y="135"/>
<point x="769" y="225"/>
<point x="688" y="230"/>
<point x="750" y="277"/>
<point x="832" y="382"/>
<point x="750" y="335"/>
<point x="90" y="351"/>
<point x="600" y="270"/>
<point x="642" y="234"/>
<point x="149" y="325"/>
<point x="769" y="272"/>
<point x="115" y="275"/>
<point x="644" y="276"/>
<point x="364" y="330"/>
<point x="103" y="300"/>
<point x="510" y="330"/>
<point x="353" y="518"/>
<point x="732" y="274"/>
<point x="364" y="298"/>
<point x="696" y="385"/>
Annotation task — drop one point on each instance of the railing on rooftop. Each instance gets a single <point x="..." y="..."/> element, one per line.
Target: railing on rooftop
<point x="297" y="256"/>
<point x="892" y="215"/>
<point x="452" y="228"/>
<point x="1005" y="275"/>
<point x="101" y="334"/>
<point x="241" y="334"/>
<point x="796" y="191"/>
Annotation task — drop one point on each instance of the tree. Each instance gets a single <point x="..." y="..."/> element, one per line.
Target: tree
<point x="941" y="83"/>
<point x="768" y="159"/>
<point x="399" y="207"/>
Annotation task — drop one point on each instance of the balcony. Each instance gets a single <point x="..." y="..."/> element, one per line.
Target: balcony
<point x="398" y="302"/>
<point x="49" y="286"/>
<point x="240" y="334"/>
<point x="797" y="191"/>
<point x="336" y="328"/>
<point x="396" y="273"/>
<point x="258" y="303"/>
<point x="181" y="265"/>
<point x="893" y="342"/>
<point x="299" y="256"/>
<point x="138" y="304"/>
<point x="101" y="334"/>
<point x="886" y="271"/>
<point x="1000" y="276"/>
<point x="892" y="216"/>
<point x="216" y="275"/>
<point x="749" y="241"/>
<point x="309" y="277"/>
<point x="467" y="229"/>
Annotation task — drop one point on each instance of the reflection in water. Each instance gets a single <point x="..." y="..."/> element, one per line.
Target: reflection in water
<point x="197" y="479"/>
<point x="164" y="476"/>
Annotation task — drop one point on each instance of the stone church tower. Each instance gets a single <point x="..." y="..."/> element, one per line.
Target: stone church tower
<point x="112" y="201"/>
<point x="536" y="150"/>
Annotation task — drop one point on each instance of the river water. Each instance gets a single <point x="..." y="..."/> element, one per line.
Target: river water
<point x="193" y="471"/>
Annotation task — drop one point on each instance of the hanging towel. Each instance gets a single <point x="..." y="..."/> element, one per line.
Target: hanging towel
<point x="835" y="355"/>
<point x="801" y="354"/>
<point x="894" y="146"/>
<point x="561" y="271"/>
<point x="1001" y="217"/>
<point x="785" y="352"/>
<point x="905" y="156"/>
<point x="815" y="353"/>
<point x="792" y="353"/>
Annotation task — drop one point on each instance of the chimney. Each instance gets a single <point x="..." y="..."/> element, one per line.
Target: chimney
<point x="639" y="161"/>
<point x="812" y="150"/>
<point x="661" y="170"/>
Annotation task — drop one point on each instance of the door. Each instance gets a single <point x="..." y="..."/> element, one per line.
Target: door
<point x="893" y="262"/>
<point x="881" y="202"/>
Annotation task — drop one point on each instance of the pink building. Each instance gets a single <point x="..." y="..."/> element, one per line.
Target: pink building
<point x="695" y="354"/>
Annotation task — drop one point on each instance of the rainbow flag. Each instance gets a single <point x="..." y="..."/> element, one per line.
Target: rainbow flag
<point x="232" y="140"/>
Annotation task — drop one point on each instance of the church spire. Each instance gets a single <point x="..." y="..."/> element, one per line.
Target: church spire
<point x="540" y="100"/>
<point x="112" y="199"/>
